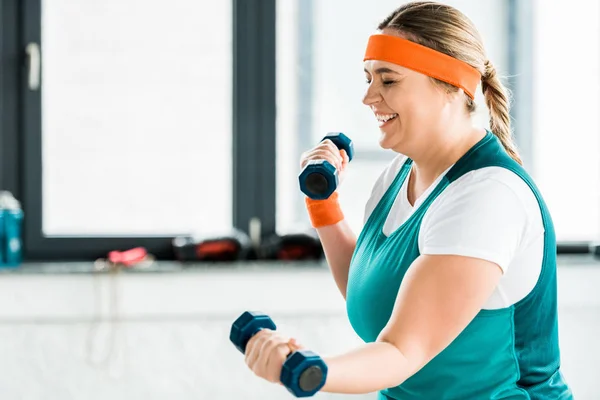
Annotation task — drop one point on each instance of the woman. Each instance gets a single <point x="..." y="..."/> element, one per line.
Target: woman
<point x="452" y="281"/>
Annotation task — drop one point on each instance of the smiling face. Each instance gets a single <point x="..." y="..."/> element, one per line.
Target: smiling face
<point x="410" y="108"/>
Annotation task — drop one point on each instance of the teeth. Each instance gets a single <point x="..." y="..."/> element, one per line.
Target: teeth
<point x="385" y="117"/>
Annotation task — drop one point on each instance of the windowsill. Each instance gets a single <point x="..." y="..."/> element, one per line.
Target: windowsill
<point x="160" y="267"/>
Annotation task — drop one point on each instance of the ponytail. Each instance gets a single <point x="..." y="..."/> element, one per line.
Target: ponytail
<point x="497" y="101"/>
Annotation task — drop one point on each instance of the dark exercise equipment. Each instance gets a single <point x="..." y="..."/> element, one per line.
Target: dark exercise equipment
<point x="231" y="246"/>
<point x="574" y="248"/>
<point x="592" y="248"/>
<point x="319" y="179"/>
<point x="303" y="373"/>
<point x="291" y="247"/>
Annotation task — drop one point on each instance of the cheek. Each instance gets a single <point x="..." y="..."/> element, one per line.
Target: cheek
<point x="417" y="101"/>
<point x="407" y="102"/>
<point x="400" y="103"/>
<point x="419" y="109"/>
<point x="411" y="110"/>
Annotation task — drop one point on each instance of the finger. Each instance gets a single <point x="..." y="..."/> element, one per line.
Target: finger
<point x="275" y="362"/>
<point x="329" y="145"/>
<point x="334" y="150"/>
<point x="344" y="162"/>
<point x="254" y="345"/>
<point x="294" y="345"/>
<point x="319" y="153"/>
<point x="249" y="353"/>
<point x="303" y="159"/>
<point x="268" y="350"/>
<point x="313" y="154"/>
<point x="327" y="154"/>
<point x="345" y="158"/>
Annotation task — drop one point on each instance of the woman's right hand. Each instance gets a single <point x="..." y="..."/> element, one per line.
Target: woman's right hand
<point x="328" y="151"/>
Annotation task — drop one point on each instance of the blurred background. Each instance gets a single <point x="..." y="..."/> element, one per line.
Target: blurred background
<point x="175" y="129"/>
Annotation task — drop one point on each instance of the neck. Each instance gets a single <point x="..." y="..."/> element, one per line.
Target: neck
<point x="452" y="145"/>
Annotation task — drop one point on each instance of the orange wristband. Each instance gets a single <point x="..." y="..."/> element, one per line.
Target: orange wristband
<point x="324" y="212"/>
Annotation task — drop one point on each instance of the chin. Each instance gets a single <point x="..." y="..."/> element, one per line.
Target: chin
<point x="385" y="145"/>
<point x="388" y="140"/>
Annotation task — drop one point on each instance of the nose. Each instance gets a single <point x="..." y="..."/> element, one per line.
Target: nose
<point x="371" y="95"/>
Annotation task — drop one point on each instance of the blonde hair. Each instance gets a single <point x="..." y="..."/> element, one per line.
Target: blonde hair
<point x="447" y="30"/>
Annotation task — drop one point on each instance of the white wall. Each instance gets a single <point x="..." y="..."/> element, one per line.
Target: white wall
<point x="565" y="115"/>
<point x="173" y="338"/>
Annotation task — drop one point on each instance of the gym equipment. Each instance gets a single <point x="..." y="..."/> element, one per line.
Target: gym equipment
<point x="292" y="246"/>
<point x="592" y="248"/>
<point x="231" y="246"/>
<point x="129" y="257"/>
<point x="573" y="248"/>
<point x="303" y="373"/>
<point x="319" y="179"/>
<point x="116" y="260"/>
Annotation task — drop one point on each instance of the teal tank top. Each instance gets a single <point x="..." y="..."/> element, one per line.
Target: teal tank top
<point x="509" y="353"/>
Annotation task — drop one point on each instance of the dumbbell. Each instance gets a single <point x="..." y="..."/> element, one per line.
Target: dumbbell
<point x="319" y="179"/>
<point x="303" y="373"/>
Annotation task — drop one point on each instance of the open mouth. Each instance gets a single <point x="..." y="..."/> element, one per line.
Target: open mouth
<point x="384" y="119"/>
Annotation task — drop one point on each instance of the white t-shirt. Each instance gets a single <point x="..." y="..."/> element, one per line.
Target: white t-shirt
<point x="490" y="213"/>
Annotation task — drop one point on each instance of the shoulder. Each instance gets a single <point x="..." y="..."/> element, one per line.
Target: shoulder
<point x="492" y="186"/>
<point x="489" y="212"/>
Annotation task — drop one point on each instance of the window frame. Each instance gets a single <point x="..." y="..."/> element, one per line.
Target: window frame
<point x="10" y="143"/>
<point x="253" y="127"/>
<point x="253" y="123"/>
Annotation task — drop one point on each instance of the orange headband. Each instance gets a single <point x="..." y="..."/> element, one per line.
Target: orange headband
<point x="424" y="60"/>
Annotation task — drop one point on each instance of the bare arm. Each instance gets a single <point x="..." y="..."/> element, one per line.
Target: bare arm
<point x="438" y="298"/>
<point x="338" y="243"/>
<point x="338" y="239"/>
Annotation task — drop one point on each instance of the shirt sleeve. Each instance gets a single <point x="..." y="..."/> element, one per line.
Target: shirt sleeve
<point x="480" y="218"/>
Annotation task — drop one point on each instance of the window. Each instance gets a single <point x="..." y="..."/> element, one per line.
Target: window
<point x="136" y="117"/>
<point x="154" y="120"/>
<point x="566" y="101"/>
<point x="320" y="87"/>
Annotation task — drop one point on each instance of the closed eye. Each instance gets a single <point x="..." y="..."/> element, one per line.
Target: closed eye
<point x="386" y="83"/>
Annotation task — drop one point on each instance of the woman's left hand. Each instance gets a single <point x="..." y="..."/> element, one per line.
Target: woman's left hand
<point x="266" y="352"/>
